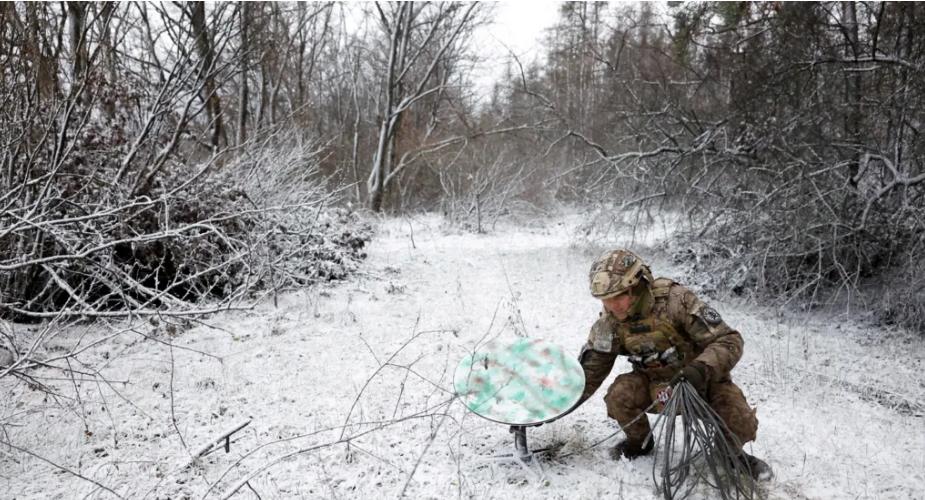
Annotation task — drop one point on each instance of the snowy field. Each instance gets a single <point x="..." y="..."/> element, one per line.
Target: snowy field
<point x="841" y="405"/>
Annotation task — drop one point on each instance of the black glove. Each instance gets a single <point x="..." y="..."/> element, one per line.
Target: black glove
<point x="697" y="374"/>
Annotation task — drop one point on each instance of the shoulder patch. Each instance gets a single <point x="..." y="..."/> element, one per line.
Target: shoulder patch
<point x="601" y="338"/>
<point x="710" y="316"/>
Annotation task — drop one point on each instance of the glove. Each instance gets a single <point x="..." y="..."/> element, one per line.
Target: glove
<point x="697" y="374"/>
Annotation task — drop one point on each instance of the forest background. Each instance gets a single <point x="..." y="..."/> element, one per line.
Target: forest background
<point x="788" y="133"/>
<point x="176" y="159"/>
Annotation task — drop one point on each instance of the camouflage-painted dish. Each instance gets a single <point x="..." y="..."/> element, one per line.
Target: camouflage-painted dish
<point x="524" y="382"/>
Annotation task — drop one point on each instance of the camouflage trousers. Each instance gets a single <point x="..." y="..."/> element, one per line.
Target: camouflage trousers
<point x="631" y="393"/>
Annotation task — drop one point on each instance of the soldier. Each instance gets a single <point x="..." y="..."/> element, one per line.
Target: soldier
<point x="669" y="335"/>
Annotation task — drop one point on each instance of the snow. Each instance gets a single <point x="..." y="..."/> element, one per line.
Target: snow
<point x="841" y="404"/>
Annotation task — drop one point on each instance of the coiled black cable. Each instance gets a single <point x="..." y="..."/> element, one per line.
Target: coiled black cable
<point x="701" y="450"/>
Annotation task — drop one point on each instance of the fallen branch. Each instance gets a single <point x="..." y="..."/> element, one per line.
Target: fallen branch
<point x="225" y="436"/>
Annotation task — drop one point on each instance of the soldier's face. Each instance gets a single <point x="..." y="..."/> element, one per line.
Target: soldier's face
<point x="620" y="305"/>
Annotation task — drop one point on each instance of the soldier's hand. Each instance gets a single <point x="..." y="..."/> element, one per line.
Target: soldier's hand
<point x="697" y="374"/>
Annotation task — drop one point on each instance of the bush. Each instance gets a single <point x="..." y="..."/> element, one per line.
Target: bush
<point x="260" y="221"/>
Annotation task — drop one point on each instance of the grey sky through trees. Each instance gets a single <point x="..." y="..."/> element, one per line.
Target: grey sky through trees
<point x="518" y="26"/>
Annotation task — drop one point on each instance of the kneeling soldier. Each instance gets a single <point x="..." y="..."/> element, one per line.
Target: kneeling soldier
<point x="668" y="334"/>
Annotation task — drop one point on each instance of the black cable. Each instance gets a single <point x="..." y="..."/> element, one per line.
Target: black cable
<point x="604" y="439"/>
<point x="709" y="453"/>
<point x="702" y="450"/>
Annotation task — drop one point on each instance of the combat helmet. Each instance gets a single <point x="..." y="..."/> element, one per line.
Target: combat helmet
<point x="616" y="272"/>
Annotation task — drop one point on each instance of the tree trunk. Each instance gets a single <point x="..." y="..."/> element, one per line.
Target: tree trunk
<point x="149" y="42"/>
<point x="206" y="57"/>
<point x="381" y="161"/>
<point x="76" y="17"/>
<point x="852" y="86"/>
<point x="109" y="50"/>
<point x="355" y="153"/>
<point x="245" y="56"/>
<point x="46" y="66"/>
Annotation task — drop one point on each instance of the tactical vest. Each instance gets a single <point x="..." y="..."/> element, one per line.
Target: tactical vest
<point x="654" y="345"/>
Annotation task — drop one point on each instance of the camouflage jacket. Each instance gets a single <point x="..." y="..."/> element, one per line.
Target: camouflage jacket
<point x="671" y="329"/>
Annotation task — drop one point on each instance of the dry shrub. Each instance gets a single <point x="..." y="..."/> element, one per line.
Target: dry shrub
<point x="202" y="232"/>
<point x="902" y="295"/>
<point x="485" y="188"/>
<point x="811" y="241"/>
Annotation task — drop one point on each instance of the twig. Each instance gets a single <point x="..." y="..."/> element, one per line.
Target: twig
<point x="64" y="469"/>
<point x="253" y="490"/>
<point x="417" y="463"/>
<point x="172" y="345"/>
<point x="379" y="426"/>
<point x="408" y="342"/>
<point x="411" y="230"/>
<point x="173" y="414"/>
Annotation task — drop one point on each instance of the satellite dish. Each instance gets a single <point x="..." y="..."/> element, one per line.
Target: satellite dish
<point x="521" y="383"/>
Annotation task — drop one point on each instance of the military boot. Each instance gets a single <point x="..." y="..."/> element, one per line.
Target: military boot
<point x="631" y="450"/>
<point x="758" y="468"/>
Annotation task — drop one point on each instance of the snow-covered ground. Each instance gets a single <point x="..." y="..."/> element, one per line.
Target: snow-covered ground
<point x="841" y="406"/>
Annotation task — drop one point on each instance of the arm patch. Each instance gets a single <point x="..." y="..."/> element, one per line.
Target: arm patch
<point x="707" y="325"/>
<point x="601" y="338"/>
<point x="710" y="316"/>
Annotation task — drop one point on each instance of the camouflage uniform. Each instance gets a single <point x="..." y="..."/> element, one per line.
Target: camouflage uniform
<point x="667" y="329"/>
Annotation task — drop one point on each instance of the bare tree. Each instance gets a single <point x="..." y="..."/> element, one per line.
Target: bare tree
<point x="420" y="38"/>
<point x="244" y="95"/>
<point x="76" y="17"/>
<point x="204" y="43"/>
